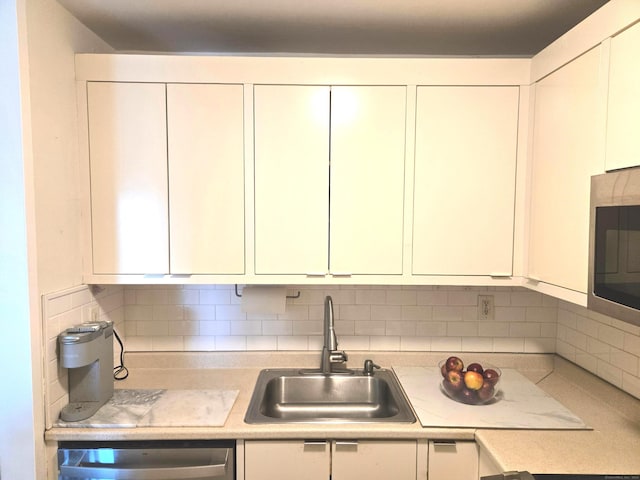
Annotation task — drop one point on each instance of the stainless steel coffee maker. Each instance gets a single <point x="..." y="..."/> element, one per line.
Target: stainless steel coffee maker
<point x="87" y="351"/>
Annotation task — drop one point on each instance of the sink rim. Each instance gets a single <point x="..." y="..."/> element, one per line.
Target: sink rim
<point x="254" y="415"/>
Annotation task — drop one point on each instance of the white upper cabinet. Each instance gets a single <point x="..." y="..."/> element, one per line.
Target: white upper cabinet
<point x="567" y="151"/>
<point x="167" y="178"/>
<point x="377" y="171"/>
<point x="623" y="134"/>
<point x="309" y="221"/>
<point x="464" y="184"/>
<point x="291" y="130"/>
<point x="128" y="168"/>
<point x="367" y="179"/>
<point x="206" y="178"/>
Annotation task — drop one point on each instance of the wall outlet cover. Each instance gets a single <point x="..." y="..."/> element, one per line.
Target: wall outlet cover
<point x="486" y="309"/>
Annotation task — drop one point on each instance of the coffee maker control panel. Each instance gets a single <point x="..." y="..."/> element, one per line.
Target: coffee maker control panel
<point x="84" y="332"/>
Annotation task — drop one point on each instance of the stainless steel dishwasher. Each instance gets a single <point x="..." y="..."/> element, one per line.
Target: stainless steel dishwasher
<point x="148" y="460"/>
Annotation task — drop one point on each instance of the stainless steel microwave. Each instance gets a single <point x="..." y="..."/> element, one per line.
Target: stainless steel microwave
<point x="614" y="245"/>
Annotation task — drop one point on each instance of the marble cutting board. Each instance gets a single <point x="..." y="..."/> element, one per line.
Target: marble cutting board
<point x="520" y="404"/>
<point x="161" y="408"/>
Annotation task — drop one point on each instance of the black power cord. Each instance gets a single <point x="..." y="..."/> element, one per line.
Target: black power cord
<point x="120" y="372"/>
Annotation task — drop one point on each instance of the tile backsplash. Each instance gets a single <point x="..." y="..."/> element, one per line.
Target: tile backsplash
<point x="603" y="345"/>
<point x="391" y="318"/>
<point x="368" y="318"/>
<point x="62" y="310"/>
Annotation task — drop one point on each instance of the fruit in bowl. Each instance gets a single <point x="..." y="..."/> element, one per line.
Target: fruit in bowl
<point x="474" y="385"/>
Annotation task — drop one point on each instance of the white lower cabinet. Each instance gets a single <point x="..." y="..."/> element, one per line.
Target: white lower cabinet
<point x="286" y="460"/>
<point x="374" y="460"/>
<point x="335" y="459"/>
<point x="487" y="465"/>
<point x="453" y="460"/>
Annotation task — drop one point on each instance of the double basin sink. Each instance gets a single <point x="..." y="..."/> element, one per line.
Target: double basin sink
<point x="309" y="396"/>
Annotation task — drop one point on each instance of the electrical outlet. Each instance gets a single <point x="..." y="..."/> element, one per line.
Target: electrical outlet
<point x="95" y="314"/>
<point x="485" y="307"/>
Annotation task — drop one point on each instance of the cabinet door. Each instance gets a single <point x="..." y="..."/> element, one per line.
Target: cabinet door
<point x="453" y="460"/>
<point x="286" y="460"/>
<point x="291" y="179"/>
<point x="374" y="460"/>
<point x="128" y="165"/>
<point x="464" y="187"/>
<point x="206" y="178"/>
<point x="367" y="179"/>
<point x="623" y="141"/>
<point x="486" y="464"/>
<point x="565" y="156"/>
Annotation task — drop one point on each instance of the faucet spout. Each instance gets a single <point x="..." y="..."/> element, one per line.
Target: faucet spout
<point x="330" y="339"/>
<point x="330" y="353"/>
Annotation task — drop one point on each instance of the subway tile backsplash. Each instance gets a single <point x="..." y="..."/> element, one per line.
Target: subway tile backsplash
<point x="62" y="310"/>
<point x="603" y="345"/>
<point x="368" y="318"/>
<point x="187" y="318"/>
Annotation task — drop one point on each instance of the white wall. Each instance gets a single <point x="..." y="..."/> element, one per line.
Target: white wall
<point x="54" y="36"/>
<point x="20" y="392"/>
<point x="39" y="212"/>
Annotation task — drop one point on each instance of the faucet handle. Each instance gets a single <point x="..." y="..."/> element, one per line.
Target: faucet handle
<point x="338" y="357"/>
<point x="369" y="366"/>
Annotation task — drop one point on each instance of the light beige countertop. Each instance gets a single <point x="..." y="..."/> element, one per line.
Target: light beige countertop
<point x="612" y="447"/>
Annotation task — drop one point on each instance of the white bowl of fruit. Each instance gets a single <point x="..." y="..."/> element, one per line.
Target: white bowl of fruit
<point x="473" y="384"/>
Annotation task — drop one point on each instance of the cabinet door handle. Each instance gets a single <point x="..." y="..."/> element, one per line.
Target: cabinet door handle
<point x="315" y="445"/>
<point x="340" y="274"/>
<point x="444" y="445"/>
<point x="316" y="274"/>
<point x="500" y="275"/>
<point x="346" y="445"/>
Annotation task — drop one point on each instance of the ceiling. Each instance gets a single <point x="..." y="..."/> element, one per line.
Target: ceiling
<point x="509" y="28"/>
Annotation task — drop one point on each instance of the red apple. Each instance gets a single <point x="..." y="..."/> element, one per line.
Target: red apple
<point x="475" y="367"/>
<point x="443" y="369"/>
<point x="450" y="389"/>
<point x="468" y="396"/>
<point x="454" y="363"/>
<point x="454" y="380"/>
<point x="486" y="392"/>
<point x="473" y="380"/>
<point x="491" y="376"/>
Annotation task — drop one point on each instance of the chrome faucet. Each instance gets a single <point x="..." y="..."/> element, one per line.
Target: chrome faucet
<point x="330" y="353"/>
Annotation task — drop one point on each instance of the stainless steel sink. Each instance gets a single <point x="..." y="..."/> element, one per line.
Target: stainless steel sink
<point x="306" y="396"/>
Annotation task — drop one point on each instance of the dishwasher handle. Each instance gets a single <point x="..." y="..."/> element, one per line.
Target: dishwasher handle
<point x="113" y="472"/>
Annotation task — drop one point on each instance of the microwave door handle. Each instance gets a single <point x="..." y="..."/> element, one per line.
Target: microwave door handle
<point x="114" y="472"/>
